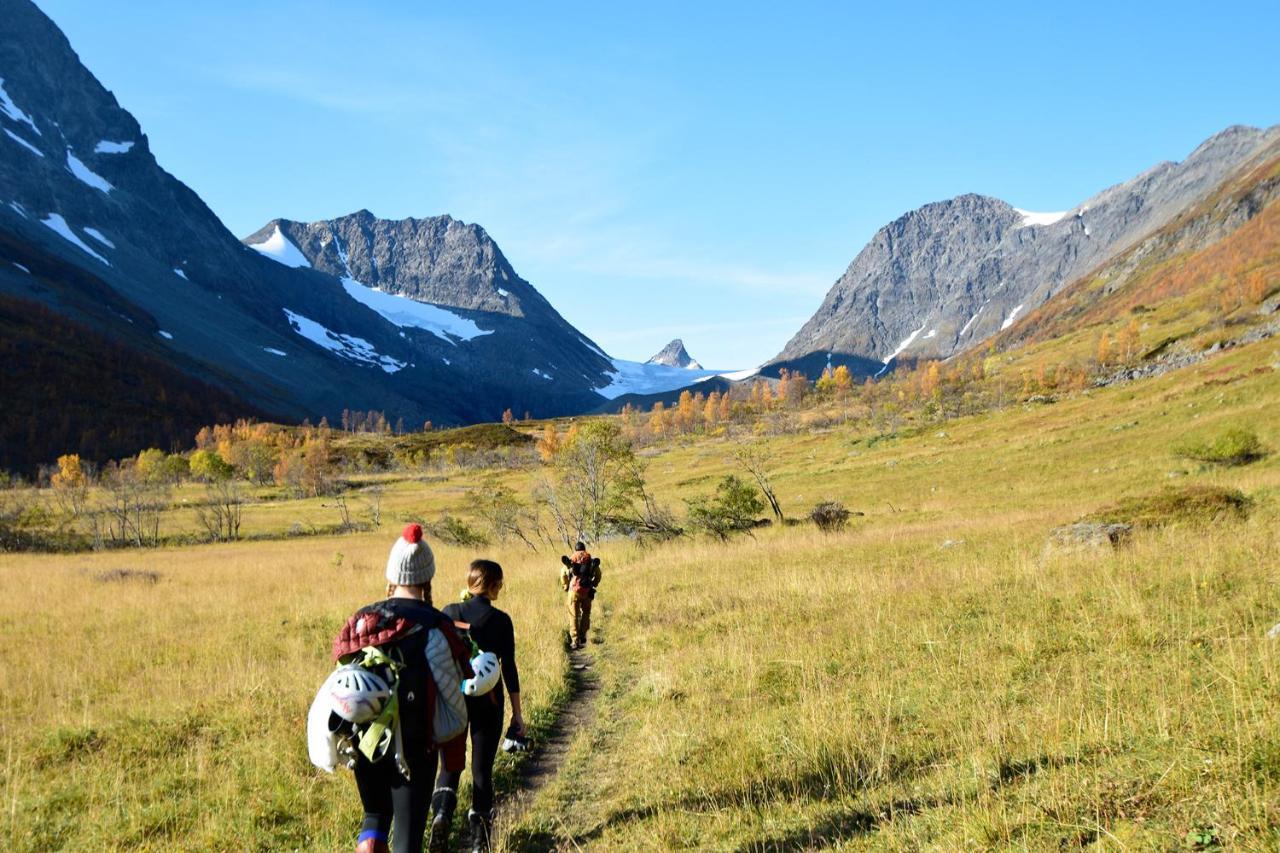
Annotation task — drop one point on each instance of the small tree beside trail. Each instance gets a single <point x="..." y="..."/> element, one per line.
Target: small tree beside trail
<point x="756" y="458"/>
<point x="504" y="515"/>
<point x="595" y="482"/>
<point x="732" y="509"/>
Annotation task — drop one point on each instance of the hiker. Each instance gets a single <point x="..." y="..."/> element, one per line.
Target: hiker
<point x="580" y="578"/>
<point x="428" y="664"/>
<point x="491" y="630"/>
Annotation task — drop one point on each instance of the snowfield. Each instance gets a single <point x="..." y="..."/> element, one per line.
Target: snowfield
<point x="100" y="237"/>
<point x="633" y="377"/>
<point x="1013" y="315"/>
<point x="410" y="313"/>
<point x="278" y="248"/>
<point x="9" y="108"/>
<point x="180" y="274"/>
<point x="347" y="346"/>
<point x="908" y="341"/>
<point x="86" y="175"/>
<point x="106" y="146"/>
<point x="1031" y="218"/>
<point x="59" y="226"/>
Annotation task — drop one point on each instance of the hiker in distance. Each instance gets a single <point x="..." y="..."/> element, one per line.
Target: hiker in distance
<point x="491" y="631"/>
<point x="395" y="702"/>
<point x="580" y="578"/>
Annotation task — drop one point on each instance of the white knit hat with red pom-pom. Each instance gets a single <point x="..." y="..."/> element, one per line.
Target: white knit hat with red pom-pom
<point x="411" y="562"/>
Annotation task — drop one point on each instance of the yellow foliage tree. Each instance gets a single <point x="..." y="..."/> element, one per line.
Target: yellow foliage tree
<point x="549" y="443"/>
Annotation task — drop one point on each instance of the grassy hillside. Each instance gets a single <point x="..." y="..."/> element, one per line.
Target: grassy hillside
<point x="932" y="677"/>
<point x="937" y="677"/>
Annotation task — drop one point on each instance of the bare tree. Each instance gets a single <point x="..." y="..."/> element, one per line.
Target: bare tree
<point x="756" y="459"/>
<point x="344" y="512"/>
<point x="505" y="516"/>
<point x="373" y="503"/>
<point x="222" y="511"/>
<point x="133" y="508"/>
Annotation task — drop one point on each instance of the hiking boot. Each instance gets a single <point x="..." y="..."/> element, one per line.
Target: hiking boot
<point x="443" y="802"/>
<point x="481" y="826"/>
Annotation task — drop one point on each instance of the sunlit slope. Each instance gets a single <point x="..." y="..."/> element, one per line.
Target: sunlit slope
<point x="937" y="677"/>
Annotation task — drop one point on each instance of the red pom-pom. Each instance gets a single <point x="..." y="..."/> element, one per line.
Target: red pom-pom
<point x="412" y="533"/>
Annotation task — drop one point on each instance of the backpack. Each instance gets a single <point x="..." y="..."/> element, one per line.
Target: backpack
<point x="581" y="574"/>
<point x="361" y="642"/>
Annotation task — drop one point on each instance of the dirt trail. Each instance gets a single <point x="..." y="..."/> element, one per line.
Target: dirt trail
<point x="542" y="766"/>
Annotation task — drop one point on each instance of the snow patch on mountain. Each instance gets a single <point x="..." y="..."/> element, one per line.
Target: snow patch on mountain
<point x="59" y="226"/>
<point x="347" y="346"/>
<point x="100" y="237"/>
<point x="278" y="248"/>
<point x="162" y="333"/>
<point x="537" y="372"/>
<point x="24" y="143"/>
<point x="85" y="174"/>
<point x="21" y="267"/>
<point x="405" y="313"/>
<point x="274" y="351"/>
<point x="1013" y="315"/>
<point x="19" y="209"/>
<point x="633" y="377"/>
<point x="180" y="274"/>
<point x="9" y="108"/>
<point x="908" y="341"/>
<point x="106" y="146"/>
<point x="1031" y="218"/>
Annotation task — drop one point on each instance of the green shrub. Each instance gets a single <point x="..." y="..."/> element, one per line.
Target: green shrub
<point x="1234" y="447"/>
<point x="734" y="507"/>
<point x="455" y="531"/>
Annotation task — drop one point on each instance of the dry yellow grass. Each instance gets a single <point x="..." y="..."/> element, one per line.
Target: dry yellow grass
<point x="171" y="715"/>
<point x="871" y="689"/>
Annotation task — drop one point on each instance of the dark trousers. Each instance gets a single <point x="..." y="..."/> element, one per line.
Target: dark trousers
<point x="484" y="724"/>
<point x="394" y="805"/>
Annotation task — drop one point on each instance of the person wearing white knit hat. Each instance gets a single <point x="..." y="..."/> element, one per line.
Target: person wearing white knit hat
<point x="411" y="562"/>
<point x="396" y="791"/>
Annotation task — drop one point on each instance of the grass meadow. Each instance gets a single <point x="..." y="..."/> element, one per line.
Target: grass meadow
<point x="934" y="677"/>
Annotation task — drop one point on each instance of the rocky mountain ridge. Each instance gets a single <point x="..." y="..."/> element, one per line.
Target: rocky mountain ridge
<point x="950" y="274"/>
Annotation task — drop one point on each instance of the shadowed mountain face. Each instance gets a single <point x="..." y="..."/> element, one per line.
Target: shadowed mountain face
<point x="951" y="274"/>
<point x="451" y="269"/>
<point x="92" y="228"/>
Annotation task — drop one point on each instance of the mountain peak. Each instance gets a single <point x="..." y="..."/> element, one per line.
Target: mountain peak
<point x="675" y="355"/>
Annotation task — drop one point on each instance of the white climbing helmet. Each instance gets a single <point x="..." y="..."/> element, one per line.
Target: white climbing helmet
<point x="355" y="693"/>
<point x="485" y="666"/>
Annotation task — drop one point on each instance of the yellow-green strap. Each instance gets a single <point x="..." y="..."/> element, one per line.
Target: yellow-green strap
<point x="377" y="736"/>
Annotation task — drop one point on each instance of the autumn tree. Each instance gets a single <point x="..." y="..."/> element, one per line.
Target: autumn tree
<point x="71" y="485"/>
<point x="549" y="443"/>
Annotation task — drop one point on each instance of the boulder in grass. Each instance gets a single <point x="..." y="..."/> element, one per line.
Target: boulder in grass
<point x="1091" y="534"/>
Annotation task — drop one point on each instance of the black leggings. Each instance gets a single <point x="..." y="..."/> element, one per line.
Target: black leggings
<point x="390" y="800"/>
<point x="484" y="716"/>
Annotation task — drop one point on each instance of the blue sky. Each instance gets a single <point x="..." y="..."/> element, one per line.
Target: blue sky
<point x="659" y="170"/>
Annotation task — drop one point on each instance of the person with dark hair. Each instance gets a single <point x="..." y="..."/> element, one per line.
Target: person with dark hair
<point x="424" y="647"/>
<point x="492" y="631"/>
<point x="580" y="578"/>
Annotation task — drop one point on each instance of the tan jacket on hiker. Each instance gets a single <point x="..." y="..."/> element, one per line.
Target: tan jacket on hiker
<point x="580" y="578"/>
